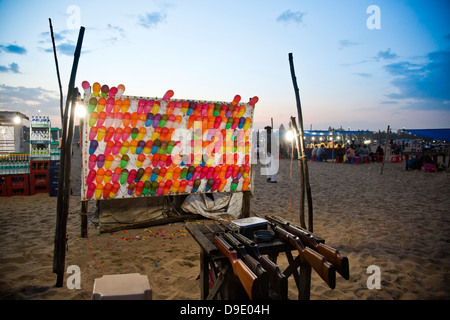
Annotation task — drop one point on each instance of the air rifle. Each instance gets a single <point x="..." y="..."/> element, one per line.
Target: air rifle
<point x="277" y="279"/>
<point x="263" y="281"/>
<point x="317" y="261"/>
<point x="240" y="269"/>
<point x="331" y="254"/>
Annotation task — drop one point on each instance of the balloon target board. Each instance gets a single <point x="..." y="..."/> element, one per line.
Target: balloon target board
<point x="140" y="147"/>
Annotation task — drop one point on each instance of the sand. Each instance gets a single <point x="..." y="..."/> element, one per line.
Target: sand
<point x="398" y="221"/>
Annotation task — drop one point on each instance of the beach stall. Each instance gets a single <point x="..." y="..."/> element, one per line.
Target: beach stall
<point x="14" y="160"/>
<point x="332" y="140"/>
<point x="436" y="152"/>
<point x="149" y="159"/>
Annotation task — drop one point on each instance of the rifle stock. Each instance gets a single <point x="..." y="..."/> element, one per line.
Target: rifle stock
<point x="262" y="281"/>
<point x="317" y="261"/>
<point x="331" y="254"/>
<point x="240" y="269"/>
<point x="277" y="279"/>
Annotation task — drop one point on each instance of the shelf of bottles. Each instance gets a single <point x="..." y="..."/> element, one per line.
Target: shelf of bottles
<point x="14" y="163"/>
<point x="40" y="138"/>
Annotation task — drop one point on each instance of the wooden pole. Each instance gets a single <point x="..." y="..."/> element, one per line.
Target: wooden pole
<point x="385" y="146"/>
<point x="57" y="72"/>
<point x="302" y="178"/>
<point x="302" y="146"/>
<point x="65" y="170"/>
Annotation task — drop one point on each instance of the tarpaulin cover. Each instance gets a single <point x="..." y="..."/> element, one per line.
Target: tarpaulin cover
<point x="435" y="134"/>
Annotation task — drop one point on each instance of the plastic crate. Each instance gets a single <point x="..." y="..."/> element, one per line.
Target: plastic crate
<point x="39" y="166"/>
<point x="54" y="164"/>
<point x="20" y="191"/>
<point x="53" y="191"/>
<point x="18" y="181"/>
<point x="39" y="178"/>
<point x="53" y="173"/>
<point x="3" y="186"/>
<point x="39" y="189"/>
<point x="53" y="183"/>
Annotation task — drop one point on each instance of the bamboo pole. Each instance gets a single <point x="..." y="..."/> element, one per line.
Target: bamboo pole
<point x="57" y="72"/>
<point x="302" y="146"/>
<point x="65" y="169"/>
<point x="385" y="146"/>
<point x="302" y="178"/>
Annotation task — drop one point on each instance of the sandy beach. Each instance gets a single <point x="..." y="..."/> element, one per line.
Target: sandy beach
<point x="398" y="221"/>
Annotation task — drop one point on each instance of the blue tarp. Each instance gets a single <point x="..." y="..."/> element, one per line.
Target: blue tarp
<point x="435" y="134"/>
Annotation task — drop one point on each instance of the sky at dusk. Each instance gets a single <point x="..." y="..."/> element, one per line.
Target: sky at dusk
<point x="359" y="64"/>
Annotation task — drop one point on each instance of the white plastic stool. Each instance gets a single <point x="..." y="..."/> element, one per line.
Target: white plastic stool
<point x="131" y="286"/>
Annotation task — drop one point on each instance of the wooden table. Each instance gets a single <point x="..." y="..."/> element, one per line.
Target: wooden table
<point x="213" y="261"/>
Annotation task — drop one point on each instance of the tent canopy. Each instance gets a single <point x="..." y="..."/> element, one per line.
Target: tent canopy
<point x="435" y="134"/>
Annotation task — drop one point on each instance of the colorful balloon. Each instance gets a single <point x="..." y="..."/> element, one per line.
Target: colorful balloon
<point x="98" y="190"/>
<point x="93" y="146"/>
<point x="86" y="87"/>
<point x="96" y="88"/>
<point x="114" y="190"/>
<point x="169" y="94"/>
<point x="90" y="190"/>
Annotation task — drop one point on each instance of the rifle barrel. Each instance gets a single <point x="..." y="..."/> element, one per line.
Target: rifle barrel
<point x="331" y="254"/>
<point x="317" y="261"/>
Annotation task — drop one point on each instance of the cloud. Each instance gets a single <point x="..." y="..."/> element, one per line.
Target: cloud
<point x="289" y="16"/>
<point x="13" y="67"/>
<point x="387" y="55"/>
<point x="425" y="83"/>
<point x="364" y="75"/>
<point x="347" y="43"/>
<point x="12" y="48"/>
<point x="28" y="100"/>
<point x="64" y="44"/>
<point x="114" y="34"/>
<point x="389" y="102"/>
<point x="151" y="20"/>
